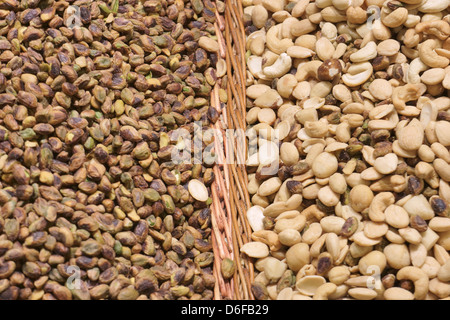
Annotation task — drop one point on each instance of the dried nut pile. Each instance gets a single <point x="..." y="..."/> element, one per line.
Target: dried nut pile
<point x="92" y="207"/>
<point x="350" y="99"/>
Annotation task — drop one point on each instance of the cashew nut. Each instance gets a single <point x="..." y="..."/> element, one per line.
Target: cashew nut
<point x="281" y="66"/>
<point x="379" y="204"/>
<point x="324" y="291"/>
<point x="420" y="279"/>
<point x="273" y="41"/>
<point x="299" y="52"/>
<point x="439" y="28"/>
<point x="393" y="18"/>
<point x="308" y="69"/>
<point x="365" y="54"/>
<point x="433" y="6"/>
<point x="409" y="92"/>
<point x="430" y="57"/>
<point x="357" y="74"/>
<point x="415" y="67"/>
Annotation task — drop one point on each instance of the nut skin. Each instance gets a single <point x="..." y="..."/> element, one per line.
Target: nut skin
<point x="329" y="70"/>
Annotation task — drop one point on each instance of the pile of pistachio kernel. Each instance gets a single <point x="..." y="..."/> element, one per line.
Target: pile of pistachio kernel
<point x="349" y="100"/>
<point x="91" y="204"/>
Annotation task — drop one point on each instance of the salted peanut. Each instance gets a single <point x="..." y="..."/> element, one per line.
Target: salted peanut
<point x="338" y="275"/>
<point x="380" y="89"/>
<point x="342" y="93"/>
<point x="444" y="239"/>
<point x="439" y="288"/>
<point x="269" y="99"/>
<point x="286" y="85"/>
<point x="328" y="197"/>
<point x="443" y="133"/>
<point x="255" y="218"/>
<point x="343" y="132"/>
<point x="439" y="224"/>
<point x="386" y="164"/>
<point x="332" y="245"/>
<point x="360" y="197"/>
<point x="252" y="115"/>
<point x="429" y="238"/>
<point x="371" y="260"/>
<point x="425" y="153"/>
<point x="283" y="128"/>
<point x="274" y="6"/>
<point x="358" y="251"/>
<point x="274" y="269"/>
<point x="440" y="254"/>
<point x="259" y="16"/>
<point x="285" y="294"/>
<point x="361" y="239"/>
<point x="394" y="237"/>
<point x="444" y="272"/>
<point x="375" y="230"/>
<point x="313" y="233"/>
<point x="411" y="235"/>
<point x="255" y="249"/>
<point x="302" y="27"/>
<point x="396" y="216"/>
<point x="268" y="152"/>
<point x="325" y="164"/>
<point x="430" y="267"/>
<point x="337" y="183"/>
<point x="266" y="116"/>
<point x="362" y="293"/>
<point x="198" y="190"/>
<point x="397" y="255"/>
<point x="388" y="47"/>
<point x="309" y="284"/>
<point x="418" y="205"/>
<point x="316" y="129"/>
<point x="299" y="296"/>
<point x="297" y="223"/>
<point x="299" y="52"/>
<point x="411" y="136"/>
<point x="256" y="90"/>
<point x="433" y="76"/>
<point x="297" y="256"/>
<point x="397" y="293"/>
<point x="441" y="151"/>
<point x="289" y="237"/>
<point x="311" y="191"/>
<point x="324" y="49"/>
<point x="418" y="254"/>
<point x="332" y="224"/>
<point x="269" y="186"/>
<point x="289" y="154"/>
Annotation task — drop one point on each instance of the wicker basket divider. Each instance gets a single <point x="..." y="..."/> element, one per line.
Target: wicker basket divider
<point x="230" y="198"/>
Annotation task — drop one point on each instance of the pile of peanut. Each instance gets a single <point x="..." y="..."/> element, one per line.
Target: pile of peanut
<point x="348" y="100"/>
